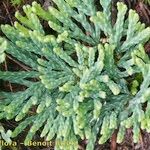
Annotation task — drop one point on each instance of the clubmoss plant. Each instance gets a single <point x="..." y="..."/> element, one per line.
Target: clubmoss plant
<point x="87" y="73"/>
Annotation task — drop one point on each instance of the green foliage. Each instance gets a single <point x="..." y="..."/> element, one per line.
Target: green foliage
<point x="83" y="83"/>
<point x="2" y="47"/>
<point x="147" y="1"/>
<point x="16" y="2"/>
<point x="5" y="135"/>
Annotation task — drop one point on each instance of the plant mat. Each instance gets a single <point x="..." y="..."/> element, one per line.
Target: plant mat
<point x="7" y="10"/>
